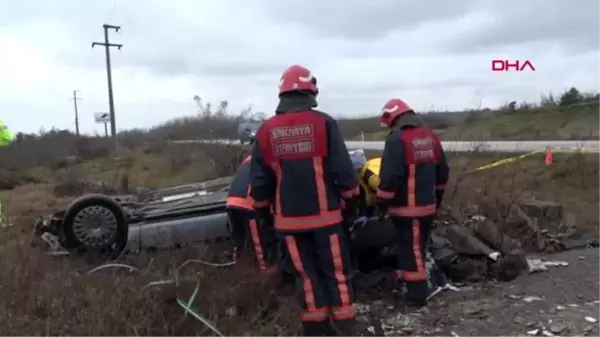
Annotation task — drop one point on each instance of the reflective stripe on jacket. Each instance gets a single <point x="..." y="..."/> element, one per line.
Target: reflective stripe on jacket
<point x="413" y="167"/>
<point x="239" y="189"/>
<point x="300" y="166"/>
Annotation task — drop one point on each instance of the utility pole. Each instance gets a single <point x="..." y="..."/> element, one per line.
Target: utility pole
<point x="75" y="98"/>
<point x="111" y="104"/>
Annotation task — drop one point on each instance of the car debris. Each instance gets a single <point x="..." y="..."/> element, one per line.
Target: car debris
<point x="537" y="265"/>
<point x="530" y="299"/>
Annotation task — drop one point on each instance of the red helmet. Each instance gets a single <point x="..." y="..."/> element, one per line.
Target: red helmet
<point x="392" y="110"/>
<point x="297" y="78"/>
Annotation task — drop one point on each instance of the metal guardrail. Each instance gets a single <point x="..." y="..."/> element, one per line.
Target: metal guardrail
<point x="460" y="146"/>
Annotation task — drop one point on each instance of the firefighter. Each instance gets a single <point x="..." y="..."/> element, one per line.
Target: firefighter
<point x="369" y="183"/>
<point x="413" y="177"/>
<point x="301" y="168"/>
<point x="245" y="232"/>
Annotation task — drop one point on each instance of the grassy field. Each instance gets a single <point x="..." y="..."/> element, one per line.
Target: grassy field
<point x="44" y="295"/>
<point x="579" y="122"/>
<point x="574" y="123"/>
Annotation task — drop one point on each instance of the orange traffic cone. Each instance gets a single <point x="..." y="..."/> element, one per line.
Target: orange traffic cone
<point x="548" y="159"/>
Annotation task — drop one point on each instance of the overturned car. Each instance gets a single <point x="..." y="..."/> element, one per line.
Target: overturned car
<point x="114" y="225"/>
<point x="111" y="226"/>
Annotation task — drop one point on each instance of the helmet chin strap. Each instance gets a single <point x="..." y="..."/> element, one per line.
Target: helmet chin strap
<point x="394" y="121"/>
<point x="392" y="124"/>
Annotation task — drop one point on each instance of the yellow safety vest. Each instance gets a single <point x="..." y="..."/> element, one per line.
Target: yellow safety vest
<point x="5" y="136"/>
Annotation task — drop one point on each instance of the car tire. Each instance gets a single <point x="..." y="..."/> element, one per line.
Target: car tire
<point x="86" y="212"/>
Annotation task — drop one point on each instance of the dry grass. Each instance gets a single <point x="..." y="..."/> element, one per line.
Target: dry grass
<point x="529" y="122"/>
<point x="48" y="295"/>
<point x="572" y="180"/>
<point x="44" y="295"/>
<point x="577" y="122"/>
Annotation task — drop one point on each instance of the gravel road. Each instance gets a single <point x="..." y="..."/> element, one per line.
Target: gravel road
<point x="560" y="301"/>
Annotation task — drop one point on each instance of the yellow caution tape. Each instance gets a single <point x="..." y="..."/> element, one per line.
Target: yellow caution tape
<point x="503" y="161"/>
<point x="517" y="158"/>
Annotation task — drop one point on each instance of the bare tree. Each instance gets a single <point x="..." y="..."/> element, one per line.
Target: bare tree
<point x="204" y="108"/>
<point x="222" y="110"/>
<point x="478" y="100"/>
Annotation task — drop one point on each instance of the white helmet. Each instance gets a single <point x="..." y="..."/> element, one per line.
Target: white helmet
<point x="358" y="158"/>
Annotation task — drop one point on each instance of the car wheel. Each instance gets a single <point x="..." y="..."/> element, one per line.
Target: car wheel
<point x="95" y="224"/>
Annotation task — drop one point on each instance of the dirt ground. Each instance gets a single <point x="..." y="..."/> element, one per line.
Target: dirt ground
<point x="556" y="301"/>
<point x="55" y="296"/>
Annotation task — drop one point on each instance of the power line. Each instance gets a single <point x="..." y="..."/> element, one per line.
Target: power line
<point x="111" y="104"/>
<point x="75" y="99"/>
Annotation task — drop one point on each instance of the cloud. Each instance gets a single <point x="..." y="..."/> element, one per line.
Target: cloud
<point x="574" y="25"/>
<point x="364" y="20"/>
<point x="433" y="54"/>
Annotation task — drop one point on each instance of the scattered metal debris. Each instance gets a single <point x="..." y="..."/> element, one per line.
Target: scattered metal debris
<point x="530" y="299"/>
<point x="537" y="265"/>
<point x="112" y="265"/>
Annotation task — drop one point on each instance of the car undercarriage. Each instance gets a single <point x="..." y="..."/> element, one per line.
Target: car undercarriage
<point x="108" y="227"/>
<point x="173" y="217"/>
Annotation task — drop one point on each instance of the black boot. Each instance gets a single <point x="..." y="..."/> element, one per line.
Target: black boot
<point x="345" y="327"/>
<point x="416" y="294"/>
<point x="316" y="329"/>
<point x="416" y="303"/>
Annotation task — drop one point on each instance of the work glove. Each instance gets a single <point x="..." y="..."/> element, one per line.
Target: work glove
<point x="264" y="217"/>
<point x="381" y="207"/>
<point x="360" y="222"/>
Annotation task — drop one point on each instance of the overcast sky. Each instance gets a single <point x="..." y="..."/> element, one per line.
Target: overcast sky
<point x="434" y="54"/>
